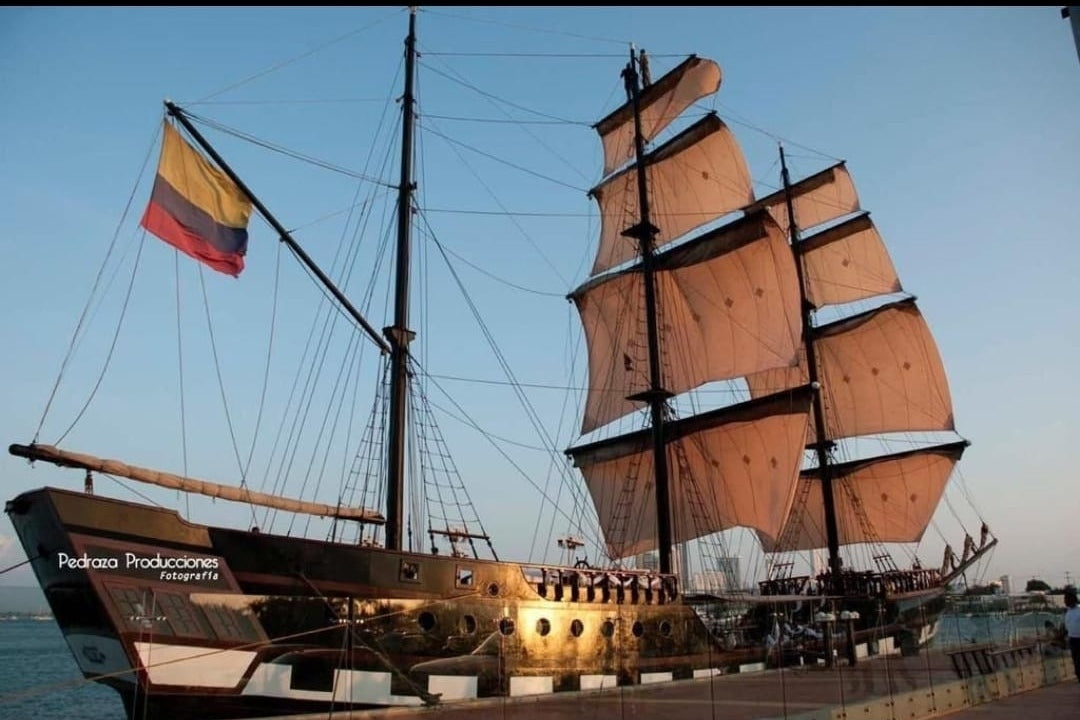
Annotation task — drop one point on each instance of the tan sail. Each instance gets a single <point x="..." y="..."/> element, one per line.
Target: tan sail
<point x="817" y="199"/>
<point x="730" y="307"/>
<point x="889" y="499"/>
<point x="880" y="372"/>
<point x="660" y="103"/>
<point x="695" y="178"/>
<point x="64" y="458"/>
<point x="847" y="262"/>
<point x="744" y="462"/>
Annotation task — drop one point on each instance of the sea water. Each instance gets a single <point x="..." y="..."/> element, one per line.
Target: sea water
<point x="39" y="679"/>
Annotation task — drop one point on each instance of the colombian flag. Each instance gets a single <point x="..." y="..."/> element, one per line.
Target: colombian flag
<point x="196" y="208"/>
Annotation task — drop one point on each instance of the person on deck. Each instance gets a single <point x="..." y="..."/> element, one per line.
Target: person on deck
<point x="1072" y="626"/>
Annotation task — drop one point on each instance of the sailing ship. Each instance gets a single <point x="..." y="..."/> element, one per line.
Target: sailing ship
<point x="695" y="282"/>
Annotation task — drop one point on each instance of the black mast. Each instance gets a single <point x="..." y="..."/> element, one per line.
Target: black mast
<point x="645" y="233"/>
<point x="399" y="334"/>
<point x="823" y="444"/>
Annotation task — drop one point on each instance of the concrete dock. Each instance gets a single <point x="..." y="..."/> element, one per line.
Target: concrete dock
<point x="878" y="688"/>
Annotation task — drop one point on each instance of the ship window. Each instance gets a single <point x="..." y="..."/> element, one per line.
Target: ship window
<point x="426" y="621"/>
<point x="638" y="629"/>
<point x="493" y="589"/>
<point x="468" y="624"/>
<point x="464" y="577"/>
<point x="184" y="618"/>
<point x="576" y="628"/>
<point x="231" y="623"/>
<point x="506" y="626"/>
<point x="607" y="628"/>
<point x="138" y="609"/>
<point x="665" y="628"/>
<point x="543" y="626"/>
<point x="410" y="571"/>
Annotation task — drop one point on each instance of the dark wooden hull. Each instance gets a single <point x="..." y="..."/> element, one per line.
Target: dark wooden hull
<point x="193" y="620"/>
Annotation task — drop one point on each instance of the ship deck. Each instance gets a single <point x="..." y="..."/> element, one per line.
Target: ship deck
<point x="878" y="688"/>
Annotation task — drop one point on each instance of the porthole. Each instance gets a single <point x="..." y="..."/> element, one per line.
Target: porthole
<point x="638" y="629"/>
<point x="607" y="628"/>
<point x="506" y="626"/>
<point x="493" y="589"/>
<point x="665" y="628"/>
<point x="468" y="624"/>
<point x="426" y="621"/>
<point x="576" y="628"/>
<point x="543" y="626"/>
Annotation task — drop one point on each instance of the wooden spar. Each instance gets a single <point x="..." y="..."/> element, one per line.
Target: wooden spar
<point x="64" y="458"/>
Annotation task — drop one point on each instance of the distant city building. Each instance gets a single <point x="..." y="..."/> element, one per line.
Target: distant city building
<point x="647" y="561"/>
<point x="724" y="576"/>
<point x="1006" y="585"/>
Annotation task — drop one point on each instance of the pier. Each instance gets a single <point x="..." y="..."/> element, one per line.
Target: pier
<point x="886" y="687"/>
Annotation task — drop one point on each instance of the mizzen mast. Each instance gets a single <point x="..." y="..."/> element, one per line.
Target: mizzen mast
<point x="822" y="444"/>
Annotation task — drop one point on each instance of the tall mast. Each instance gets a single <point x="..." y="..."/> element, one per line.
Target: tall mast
<point x="823" y="444"/>
<point x="645" y="233"/>
<point x="399" y="334"/>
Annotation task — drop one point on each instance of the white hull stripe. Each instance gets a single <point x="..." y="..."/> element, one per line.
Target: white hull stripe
<point x="752" y="667"/>
<point x="707" y="672"/>
<point x="350" y="686"/>
<point x="195" y="666"/>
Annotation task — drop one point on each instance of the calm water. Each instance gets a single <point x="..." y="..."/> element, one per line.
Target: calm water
<point x="35" y="658"/>
<point x="35" y="662"/>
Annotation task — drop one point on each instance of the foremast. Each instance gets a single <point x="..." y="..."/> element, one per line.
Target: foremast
<point x="399" y="334"/>
<point x="656" y="396"/>
<point x="822" y="444"/>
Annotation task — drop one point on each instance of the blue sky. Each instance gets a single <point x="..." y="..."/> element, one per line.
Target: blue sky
<point x="958" y="125"/>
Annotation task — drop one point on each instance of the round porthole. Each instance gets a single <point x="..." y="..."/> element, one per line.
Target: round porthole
<point x="506" y="626"/>
<point x="607" y="628"/>
<point x="493" y="589"/>
<point x="665" y="628"/>
<point x="576" y="628"/>
<point x="468" y="624"/>
<point x="638" y="629"/>
<point x="543" y="626"/>
<point x="426" y="621"/>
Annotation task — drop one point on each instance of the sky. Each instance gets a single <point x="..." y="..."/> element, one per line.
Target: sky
<point x="958" y="125"/>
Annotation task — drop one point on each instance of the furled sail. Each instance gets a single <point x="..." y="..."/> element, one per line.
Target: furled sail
<point x="741" y="468"/>
<point x="817" y="199"/>
<point x="659" y="103"/>
<point x="730" y="304"/>
<point x="880" y="372"/>
<point x="884" y="499"/>
<point x="693" y="179"/>
<point x="65" y="458"/>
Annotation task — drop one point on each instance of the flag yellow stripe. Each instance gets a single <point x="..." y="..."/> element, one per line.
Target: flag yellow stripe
<point x="200" y="183"/>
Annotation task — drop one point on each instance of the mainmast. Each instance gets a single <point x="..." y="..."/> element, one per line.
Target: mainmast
<point x="645" y="233"/>
<point x="822" y="444"/>
<point x="399" y="334"/>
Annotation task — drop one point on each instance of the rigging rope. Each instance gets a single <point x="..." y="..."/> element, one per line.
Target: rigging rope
<point x="96" y="284"/>
<point x="296" y="58"/>
<point x="112" y="346"/>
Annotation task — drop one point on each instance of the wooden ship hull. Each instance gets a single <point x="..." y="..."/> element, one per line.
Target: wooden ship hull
<point x="182" y="618"/>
